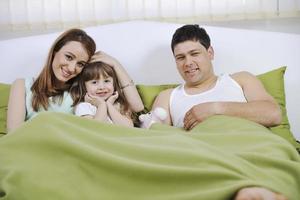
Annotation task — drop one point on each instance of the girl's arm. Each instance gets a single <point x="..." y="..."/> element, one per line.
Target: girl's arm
<point x="117" y="117"/>
<point x="101" y="113"/>
<point x="114" y="112"/>
<point x="16" y="105"/>
<point x="92" y="102"/>
<point x="90" y="111"/>
<point x="128" y="86"/>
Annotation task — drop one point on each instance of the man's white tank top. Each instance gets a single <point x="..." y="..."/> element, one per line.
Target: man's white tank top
<point x="225" y="89"/>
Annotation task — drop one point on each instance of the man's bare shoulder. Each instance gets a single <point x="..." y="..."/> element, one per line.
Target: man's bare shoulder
<point x="241" y="74"/>
<point x="243" y="77"/>
<point x="166" y="93"/>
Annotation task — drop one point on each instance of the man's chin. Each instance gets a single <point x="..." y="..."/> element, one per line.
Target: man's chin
<point x="193" y="83"/>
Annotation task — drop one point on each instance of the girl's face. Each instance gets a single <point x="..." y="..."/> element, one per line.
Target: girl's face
<point x="102" y="87"/>
<point x="69" y="61"/>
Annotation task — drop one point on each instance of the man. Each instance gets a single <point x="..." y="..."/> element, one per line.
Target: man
<point x="204" y="94"/>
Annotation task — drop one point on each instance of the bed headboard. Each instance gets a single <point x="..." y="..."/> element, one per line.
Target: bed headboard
<point x="143" y="47"/>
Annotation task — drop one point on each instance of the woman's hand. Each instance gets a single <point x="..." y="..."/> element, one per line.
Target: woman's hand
<point x="111" y="100"/>
<point x="100" y="56"/>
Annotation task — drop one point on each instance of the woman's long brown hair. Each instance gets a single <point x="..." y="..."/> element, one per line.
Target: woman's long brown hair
<point x="46" y="85"/>
<point x="93" y="71"/>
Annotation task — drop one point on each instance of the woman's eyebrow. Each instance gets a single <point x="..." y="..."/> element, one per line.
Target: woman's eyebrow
<point x="74" y="56"/>
<point x="69" y="52"/>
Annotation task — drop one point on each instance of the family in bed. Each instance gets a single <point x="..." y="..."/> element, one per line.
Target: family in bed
<point x="77" y="80"/>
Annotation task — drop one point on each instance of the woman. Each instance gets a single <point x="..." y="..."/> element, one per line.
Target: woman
<point x="49" y="91"/>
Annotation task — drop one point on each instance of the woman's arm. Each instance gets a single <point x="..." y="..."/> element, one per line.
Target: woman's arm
<point x="101" y="113"/>
<point x="128" y="86"/>
<point x="16" y="105"/>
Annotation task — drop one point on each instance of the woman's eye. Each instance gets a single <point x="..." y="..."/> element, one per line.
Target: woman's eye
<point x="81" y="65"/>
<point x="68" y="57"/>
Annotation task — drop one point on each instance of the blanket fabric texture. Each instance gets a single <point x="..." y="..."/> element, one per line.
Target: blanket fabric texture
<point x="60" y="156"/>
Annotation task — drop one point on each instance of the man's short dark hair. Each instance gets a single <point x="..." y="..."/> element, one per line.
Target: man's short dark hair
<point x="190" y="32"/>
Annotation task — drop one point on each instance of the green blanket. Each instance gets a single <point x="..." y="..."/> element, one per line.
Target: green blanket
<point x="59" y="156"/>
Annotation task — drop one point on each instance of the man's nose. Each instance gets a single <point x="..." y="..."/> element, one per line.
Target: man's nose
<point x="188" y="61"/>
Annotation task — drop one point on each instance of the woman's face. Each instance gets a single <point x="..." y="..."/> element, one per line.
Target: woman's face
<point x="69" y="61"/>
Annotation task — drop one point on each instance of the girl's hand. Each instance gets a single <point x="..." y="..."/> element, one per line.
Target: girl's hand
<point x="94" y="100"/>
<point x="105" y="58"/>
<point x="111" y="100"/>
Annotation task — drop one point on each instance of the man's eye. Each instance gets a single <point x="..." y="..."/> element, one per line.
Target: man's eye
<point x="179" y="58"/>
<point x="195" y="54"/>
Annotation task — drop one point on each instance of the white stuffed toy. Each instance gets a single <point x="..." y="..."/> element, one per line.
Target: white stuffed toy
<point x="158" y="115"/>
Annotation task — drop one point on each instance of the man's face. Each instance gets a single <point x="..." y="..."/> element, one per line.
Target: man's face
<point x="194" y="62"/>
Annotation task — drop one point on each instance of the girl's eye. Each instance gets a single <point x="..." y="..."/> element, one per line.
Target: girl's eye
<point x="107" y="81"/>
<point x="94" y="82"/>
<point x="68" y="57"/>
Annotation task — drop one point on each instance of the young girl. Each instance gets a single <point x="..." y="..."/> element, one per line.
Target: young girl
<point x="97" y="94"/>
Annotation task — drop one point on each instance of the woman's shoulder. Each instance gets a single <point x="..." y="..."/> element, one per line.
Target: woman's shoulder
<point x="18" y="83"/>
<point x="23" y="82"/>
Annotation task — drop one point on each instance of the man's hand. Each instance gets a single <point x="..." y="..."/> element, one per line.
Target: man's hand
<point x="199" y="113"/>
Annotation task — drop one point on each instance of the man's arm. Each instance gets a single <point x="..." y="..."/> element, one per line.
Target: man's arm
<point x="260" y="107"/>
<point x="162" y="100"/>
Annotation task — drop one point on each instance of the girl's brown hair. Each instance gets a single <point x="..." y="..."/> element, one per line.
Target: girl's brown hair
<point x="94" y="71"/>
<point x="46" y="85"/>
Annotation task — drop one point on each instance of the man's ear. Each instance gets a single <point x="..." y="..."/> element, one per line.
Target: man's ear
<point x="211" y="52"/>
